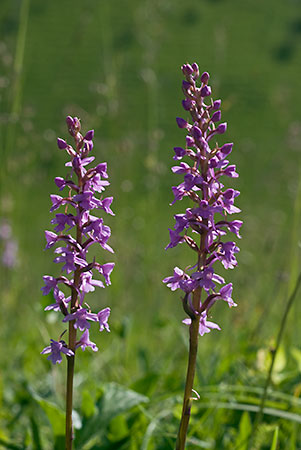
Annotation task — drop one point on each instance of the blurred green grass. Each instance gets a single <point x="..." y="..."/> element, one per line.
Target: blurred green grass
<point x="116" y="65"/>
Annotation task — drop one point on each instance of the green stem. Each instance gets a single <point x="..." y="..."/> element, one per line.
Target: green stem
<point x="193" y="349"/>
<point x="71" y="359"/>
<point x="72" y="346"/>
<point x="259" y="415"/>
<point x="70" y="366"/>
<point x="69" y="393"/>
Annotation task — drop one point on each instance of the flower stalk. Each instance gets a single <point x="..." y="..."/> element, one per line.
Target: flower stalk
<point x="82" y="185"/>
<point x="203" y="186"/>
<point x="187" y="400"/>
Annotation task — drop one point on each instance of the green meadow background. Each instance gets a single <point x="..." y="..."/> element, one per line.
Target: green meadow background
<point x="116" y="65"/>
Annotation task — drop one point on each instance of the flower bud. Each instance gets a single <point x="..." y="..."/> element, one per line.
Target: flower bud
<point x="205" y="91"/>
<point x="89" y="135"/>
<point x="205" y="77"/>
<point x="221" y="129"/>
<point x="181" y="122"/>
<point x="196" y="132"/>
<point x="70" y="125"/>
<point x="188" y="104"/>
<point x="216" y="117"/>
<point x="185" y="85"/>
<point x="196" y="70"/>
<point x="77" y="125"/>
<point x="187" y="70"/>
<point x="216" y="105"/>
<point x="61" y="143"/>
<point x="69" y="121"/>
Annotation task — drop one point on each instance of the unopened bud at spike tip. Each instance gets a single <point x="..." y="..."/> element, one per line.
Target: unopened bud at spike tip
<point x="77" y="124"/>
<point x="187" y="69"/>
<point x="196" y="70"/>
<point x="69" y="121"/>
<point x="205" y="78"/>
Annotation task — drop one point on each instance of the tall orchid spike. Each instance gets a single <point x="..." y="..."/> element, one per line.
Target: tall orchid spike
<point x="207" y="219"/>
<point x="82" y="184"/>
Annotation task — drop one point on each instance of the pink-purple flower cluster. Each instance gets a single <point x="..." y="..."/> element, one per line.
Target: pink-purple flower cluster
<point x="208" y="220"/>
<point x="81" y="186"/>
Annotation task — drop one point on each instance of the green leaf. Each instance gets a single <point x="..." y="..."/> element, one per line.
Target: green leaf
<point x="35" y="433"/>
<point x="296" y="354"/>
<point x="55" y="416"/>
<point x="293" y="437"/>
<point x="264" y="357"/>
<point x="118" y="428"/>
<point x="275" y="439"/>
<point x="115" y="400"/>
<point x="88" y="407"/>
<point x="280" y="361"/>
<point x="245" y="429"/>
<point x="10" y="445"/>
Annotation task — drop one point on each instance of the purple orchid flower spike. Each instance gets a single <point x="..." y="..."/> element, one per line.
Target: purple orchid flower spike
<point x="207" y="216"/>
<point x="80" y="196"/>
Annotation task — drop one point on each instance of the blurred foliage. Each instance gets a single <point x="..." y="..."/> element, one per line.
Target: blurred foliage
<point x="116" y="65"/>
